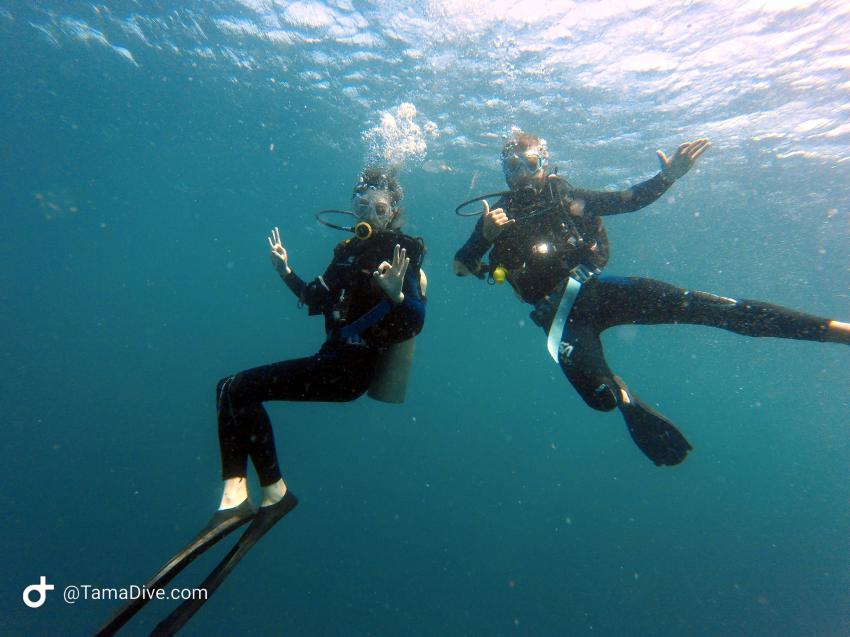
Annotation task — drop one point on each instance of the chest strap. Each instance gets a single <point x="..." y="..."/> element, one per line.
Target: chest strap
<point x="366" y="321"/>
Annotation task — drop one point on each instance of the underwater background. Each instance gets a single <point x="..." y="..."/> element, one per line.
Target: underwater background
<point x="148" y="147"/>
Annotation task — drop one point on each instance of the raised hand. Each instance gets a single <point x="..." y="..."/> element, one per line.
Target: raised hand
<point x="495" y="222"/>
<point x="684" y="158"/>
<point x="280" y="258"/>
<point x="390" y="276"/>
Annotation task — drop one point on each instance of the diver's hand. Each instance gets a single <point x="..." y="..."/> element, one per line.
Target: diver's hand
<point x="684" y="158"/>
<point x="280" y="259"/>
<point x="390" y="277"/>
<point x="495" y="222"/>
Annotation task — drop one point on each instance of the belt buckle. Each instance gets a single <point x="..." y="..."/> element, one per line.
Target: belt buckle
<point x="582" y="273"/>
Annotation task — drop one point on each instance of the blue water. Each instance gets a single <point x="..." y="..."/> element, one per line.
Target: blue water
<point x="146" y="150"/>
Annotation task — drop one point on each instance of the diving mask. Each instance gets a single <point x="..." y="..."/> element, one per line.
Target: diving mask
<point x="524" y="164"/>
<point x="373" y="205"/>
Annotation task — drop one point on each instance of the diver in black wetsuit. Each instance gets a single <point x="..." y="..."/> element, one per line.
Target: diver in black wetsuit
<point x="368" y="304"/>
<point x="547" y="239"/>
<point x="372" y="296"/>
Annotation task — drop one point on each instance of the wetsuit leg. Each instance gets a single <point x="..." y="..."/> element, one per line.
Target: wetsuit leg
<point x="244" y="428"/>
<point x="607" y="301"/>
<point x="582" y="360"/>
<point x="642" y="301"/>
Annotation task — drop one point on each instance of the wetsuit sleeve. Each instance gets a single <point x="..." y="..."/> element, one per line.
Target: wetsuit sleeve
<point x="315" y="295"/>
<point x="616" y="202"/>
<point x="407" y="319"/>
<point x="294" y="282"/>
<point x="474" y="250"/>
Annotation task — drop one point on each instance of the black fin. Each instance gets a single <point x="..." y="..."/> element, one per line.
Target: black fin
<point x="220" y="525"/>
<point x="265" y="519"/>
<point x="656" y="436"/>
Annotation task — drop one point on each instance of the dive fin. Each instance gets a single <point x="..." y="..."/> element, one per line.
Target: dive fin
<point x="656" y="436"/>
<point x="265" y="519"/>
<point x="220" y="525"/>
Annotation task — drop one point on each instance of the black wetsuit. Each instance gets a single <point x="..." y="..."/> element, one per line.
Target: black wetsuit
<point x="561" y="228"/>
<point x="360" y="323"/>
<point x="557" y="229"/>
<point x="605" y="301"/>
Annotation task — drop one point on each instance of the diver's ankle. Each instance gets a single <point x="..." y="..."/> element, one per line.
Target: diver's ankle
<point x="273" y="493"/>
<point x="234" y="493"/>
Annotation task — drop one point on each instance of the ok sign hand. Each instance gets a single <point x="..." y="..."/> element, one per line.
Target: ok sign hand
<point x="390" y="277"/>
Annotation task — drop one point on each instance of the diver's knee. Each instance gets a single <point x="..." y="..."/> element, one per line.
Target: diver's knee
<point x="604" y="397"/>
<point x="222" y="388"/>
<point x="601" y="397"/>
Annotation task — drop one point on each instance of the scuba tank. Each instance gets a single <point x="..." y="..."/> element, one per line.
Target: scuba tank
<point x="389" y="384"/>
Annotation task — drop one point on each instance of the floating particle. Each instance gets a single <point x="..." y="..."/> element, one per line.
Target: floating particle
<point x="55" y="204"/>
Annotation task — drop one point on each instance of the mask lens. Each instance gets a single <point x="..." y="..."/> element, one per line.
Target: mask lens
<point x="528" y="163"/>
<point x="361" y="206"/>
<point x="372" y="204"/>
<point x="517" y="164"/>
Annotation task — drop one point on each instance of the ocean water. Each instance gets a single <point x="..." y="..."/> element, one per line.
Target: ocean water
<point x="148" y="147"/>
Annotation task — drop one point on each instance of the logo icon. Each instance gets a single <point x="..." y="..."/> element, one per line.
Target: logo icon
<point x="41" y="589"/>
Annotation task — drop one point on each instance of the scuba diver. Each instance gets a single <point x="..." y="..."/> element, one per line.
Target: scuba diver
<point x="547" y="239"/>
<point x="372" y="297"/>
